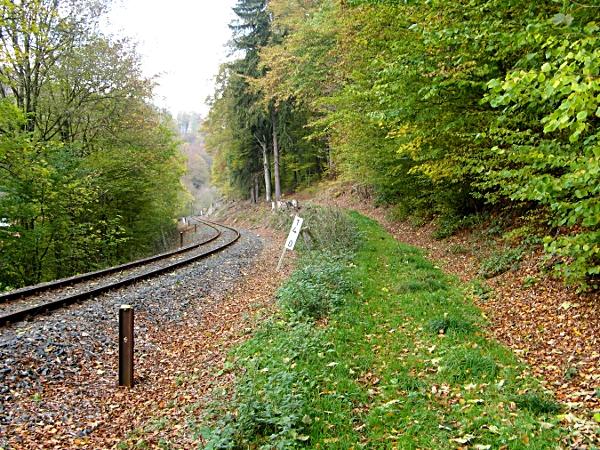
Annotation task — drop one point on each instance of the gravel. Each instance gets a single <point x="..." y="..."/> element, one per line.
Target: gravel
<point x="65" y="345"/>
<point x="99" y="281"/>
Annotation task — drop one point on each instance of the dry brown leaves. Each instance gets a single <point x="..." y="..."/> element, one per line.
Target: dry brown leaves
<point x="173" y="381"/>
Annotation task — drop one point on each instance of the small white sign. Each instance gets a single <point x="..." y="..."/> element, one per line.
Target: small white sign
<point x="294" y="233"/>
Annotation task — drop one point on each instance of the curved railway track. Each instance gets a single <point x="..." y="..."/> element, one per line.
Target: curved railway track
<point x="20" y="304"/>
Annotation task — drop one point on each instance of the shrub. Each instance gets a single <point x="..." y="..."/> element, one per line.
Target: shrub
<point x="317" y="288"/>
<point x="481" y="289"/>
<point x="329" y="229"/>
<point x="270" y="404"/>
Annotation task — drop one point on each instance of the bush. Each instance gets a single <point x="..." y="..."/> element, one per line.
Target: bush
<point x="329" y="229"/>
<point x="481" y="289"/>
<point x="273" y="391"/>
<point x="317" y="288"/>
<point x="555" y="166"/>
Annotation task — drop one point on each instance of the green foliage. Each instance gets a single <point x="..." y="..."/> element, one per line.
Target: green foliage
<point x="89" y="170"/>
<point x="445" y="108"/>
<point x="546" y="138"/>
<point x="249" y="121"/>
<point x="501" y="261"/>
<point x="317" y="288"/>
<point x="327" y="229"/>
<point x="377" y="366"/>
<point x="271" y="399"/>
<point x="331" y="229"/>
<point x="481" y="289"/>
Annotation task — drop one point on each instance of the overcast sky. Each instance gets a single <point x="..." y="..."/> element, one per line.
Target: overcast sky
<point x="181" y="40"/>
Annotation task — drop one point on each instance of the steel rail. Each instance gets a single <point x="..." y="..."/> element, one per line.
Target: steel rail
<point x="42" y="287"/>
<point x="19" y="315"/>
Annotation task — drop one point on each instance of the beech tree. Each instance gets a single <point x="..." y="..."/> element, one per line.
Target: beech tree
<point x="447" y="110"/>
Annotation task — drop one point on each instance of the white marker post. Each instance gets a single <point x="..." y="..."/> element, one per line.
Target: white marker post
<point x="291" y="239"/>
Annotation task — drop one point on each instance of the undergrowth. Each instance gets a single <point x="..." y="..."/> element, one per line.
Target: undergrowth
<point x="318" y="287"/>
<point x="448" y="225"/>
<point x="324" y="229"/>
<point x="501" y="261"/>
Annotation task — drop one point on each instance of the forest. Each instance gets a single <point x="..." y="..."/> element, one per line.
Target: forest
<point x="458" y="111"/>
<point x="89" y="169"/>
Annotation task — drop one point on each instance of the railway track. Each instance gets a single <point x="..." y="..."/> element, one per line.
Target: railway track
<point x="27" y="302"/>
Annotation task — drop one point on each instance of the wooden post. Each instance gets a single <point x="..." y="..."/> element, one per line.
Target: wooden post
<point x="126" y="346"/>
<point x="281" y="259"/>
<point x="180" y="239"/>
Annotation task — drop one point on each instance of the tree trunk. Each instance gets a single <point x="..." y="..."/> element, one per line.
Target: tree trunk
<point x="276" y="157"/>
<point x="267" y="171"/>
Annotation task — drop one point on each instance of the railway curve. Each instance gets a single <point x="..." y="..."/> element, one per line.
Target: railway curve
<point x="20" y="304"/>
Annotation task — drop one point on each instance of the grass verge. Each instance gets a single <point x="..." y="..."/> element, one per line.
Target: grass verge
<point x="377" y="348"/>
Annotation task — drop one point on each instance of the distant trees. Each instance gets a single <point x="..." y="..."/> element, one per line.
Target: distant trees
<point x="445" y="109"/>
<point x="188" y="125"/>
<point x="89" y="171"/>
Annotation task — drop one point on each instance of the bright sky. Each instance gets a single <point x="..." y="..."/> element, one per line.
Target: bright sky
<point x="183" y="41"/>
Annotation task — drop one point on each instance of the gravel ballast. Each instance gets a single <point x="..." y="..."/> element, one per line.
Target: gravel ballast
<point x="75" y="350"/>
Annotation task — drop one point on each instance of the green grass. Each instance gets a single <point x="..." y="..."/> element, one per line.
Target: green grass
<point x="401" y="362"/>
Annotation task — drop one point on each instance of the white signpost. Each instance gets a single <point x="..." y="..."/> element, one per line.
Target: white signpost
<point x="291" y="239"/>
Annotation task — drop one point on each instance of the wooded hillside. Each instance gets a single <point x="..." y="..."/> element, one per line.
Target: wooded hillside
<point x="89" y="170"/>
<point x="457" y="110"/>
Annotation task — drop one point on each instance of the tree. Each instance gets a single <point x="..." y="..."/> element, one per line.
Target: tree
<point x="445" y="109"/>
<point x="89" y="171"/>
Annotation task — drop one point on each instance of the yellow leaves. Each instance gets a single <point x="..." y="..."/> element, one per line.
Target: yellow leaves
<point x="411" y="148"/>
<point x="390" y="403"/>
<point x="465" y="439"/>
<point x="568" y="305"/>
